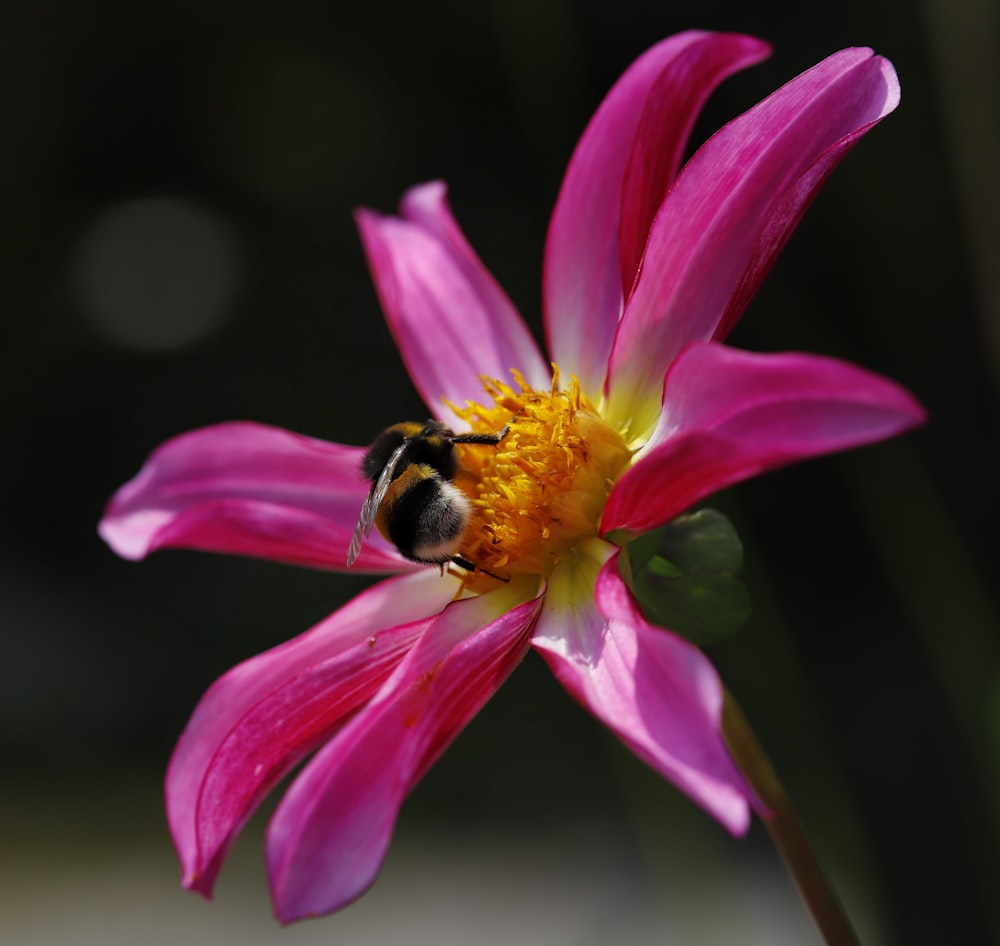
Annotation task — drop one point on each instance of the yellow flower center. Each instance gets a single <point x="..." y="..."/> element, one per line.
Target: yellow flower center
<point x="540" y="492"/>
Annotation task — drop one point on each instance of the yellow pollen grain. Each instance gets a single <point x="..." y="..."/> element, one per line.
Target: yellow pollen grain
<point x="542" y="489"/>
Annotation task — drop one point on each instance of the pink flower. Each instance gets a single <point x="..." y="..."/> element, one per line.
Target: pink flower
<point x="647" y="268"/>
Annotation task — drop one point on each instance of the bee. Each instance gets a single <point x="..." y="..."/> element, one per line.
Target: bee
<point x="413" y="502"/>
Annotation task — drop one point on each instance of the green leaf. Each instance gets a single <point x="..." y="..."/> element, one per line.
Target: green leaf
<point x="702" y="608"/>
<point x="643" y="547"/>
<point x="685" y="577"/>
<point x="663" y="567"/>
<point x="702" y="542"/>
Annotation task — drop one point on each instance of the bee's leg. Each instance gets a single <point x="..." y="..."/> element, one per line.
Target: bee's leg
<point x="469" y="567"/>
<point x="493" y="438"/>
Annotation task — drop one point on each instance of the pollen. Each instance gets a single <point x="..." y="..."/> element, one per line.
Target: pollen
<point x="540" y="492"/>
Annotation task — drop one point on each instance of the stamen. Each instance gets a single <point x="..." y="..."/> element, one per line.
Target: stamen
<point x="543" y="488"/>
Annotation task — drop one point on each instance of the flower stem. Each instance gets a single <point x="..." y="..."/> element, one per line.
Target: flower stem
<point x="785" y="830"/>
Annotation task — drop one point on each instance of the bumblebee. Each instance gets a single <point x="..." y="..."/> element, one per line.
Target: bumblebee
<point x="413" y="502"/>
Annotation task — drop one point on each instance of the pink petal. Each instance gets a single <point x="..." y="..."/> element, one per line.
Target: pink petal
<point x="329" y="836"/>
<point x="247" y="489"/>
<point x="784" y="217"/>
<point x="450" y="319"/>
<point x="729" y="415"/>
<point x="730" y="211"/>
<point x="656" y="692"/>
<point x="618" y="175"/>
<point x="258" y="720"/>
<point x="671" y="107"/>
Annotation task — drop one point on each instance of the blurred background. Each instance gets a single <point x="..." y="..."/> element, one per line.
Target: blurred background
<point x="176" y="188"/>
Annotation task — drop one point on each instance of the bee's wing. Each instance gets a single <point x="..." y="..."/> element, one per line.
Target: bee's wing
<point x="369" y="510"/>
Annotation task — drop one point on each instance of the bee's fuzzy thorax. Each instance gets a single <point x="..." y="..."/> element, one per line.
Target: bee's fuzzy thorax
<point x="424" y="515"/>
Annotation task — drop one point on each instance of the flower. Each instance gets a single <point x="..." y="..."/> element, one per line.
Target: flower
<point x="647" y="268"/>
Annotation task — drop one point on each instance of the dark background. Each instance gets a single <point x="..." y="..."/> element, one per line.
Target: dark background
<point x="236" y="288"/>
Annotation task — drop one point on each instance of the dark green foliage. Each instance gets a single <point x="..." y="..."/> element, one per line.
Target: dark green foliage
<point x="685" y="577"/>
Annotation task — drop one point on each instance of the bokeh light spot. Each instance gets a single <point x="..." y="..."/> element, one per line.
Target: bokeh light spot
<point x="157" y="274"/>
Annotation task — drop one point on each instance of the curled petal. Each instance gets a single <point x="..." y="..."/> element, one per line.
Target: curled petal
<point x="668" y="114"/>
<point x="452" y="322"/>
<point x="247" y="489"/>
<point x="730" y="211"/>
<point x="784" y="217"/>
<point x="729" y="415"/>
<point x="262" y="717"/>
<point x="617" y="177"/>
<point x="656" y="692"/>
<point x="329" y="836"/>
